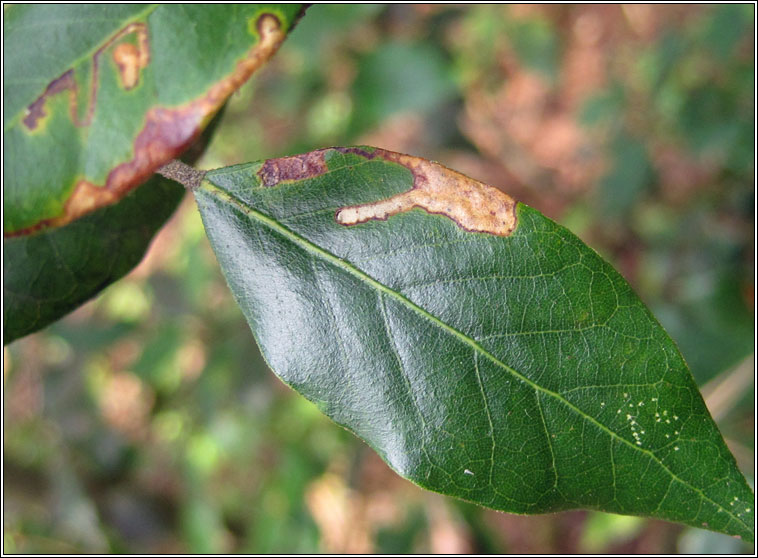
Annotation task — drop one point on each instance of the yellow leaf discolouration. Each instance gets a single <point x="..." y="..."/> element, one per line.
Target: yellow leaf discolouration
<point x="473" y="206"/>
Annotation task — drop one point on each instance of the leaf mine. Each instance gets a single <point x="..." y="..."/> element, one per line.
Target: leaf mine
<point x="167" y="132"/>
<point x="296" y="167"/>
<point x="472" y="205"/>
<point x="129" y="58"/>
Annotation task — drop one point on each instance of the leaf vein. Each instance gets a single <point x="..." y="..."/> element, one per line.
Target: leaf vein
<point x="338" y="262"/>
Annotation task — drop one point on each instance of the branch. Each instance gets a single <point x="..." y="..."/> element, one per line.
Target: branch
<point x="187" y="176"/>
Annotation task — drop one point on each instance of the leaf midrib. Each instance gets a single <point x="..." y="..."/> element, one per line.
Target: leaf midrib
<point x="327" y="256"/>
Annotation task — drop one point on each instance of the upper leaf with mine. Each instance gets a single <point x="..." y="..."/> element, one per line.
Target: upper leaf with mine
<point x="97" y="97"/>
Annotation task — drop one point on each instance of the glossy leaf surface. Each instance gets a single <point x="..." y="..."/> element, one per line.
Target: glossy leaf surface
<point x="500" y="362"/>
<point x="46" y="275"/>
<point x="97" y="97"/>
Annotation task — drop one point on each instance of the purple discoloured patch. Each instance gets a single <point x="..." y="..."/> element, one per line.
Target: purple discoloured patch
<point x="36" y="110"/>
<point x="360" y="151"/>
<point x="297" y="167"/>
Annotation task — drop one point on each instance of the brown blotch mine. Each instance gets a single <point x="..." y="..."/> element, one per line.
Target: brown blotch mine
<point x="166" y="133"/>
<point x="297" y="167"/>
<point x="127" y="58"/>
<point x="473" y="206"/>
<point x="131" y="59"/>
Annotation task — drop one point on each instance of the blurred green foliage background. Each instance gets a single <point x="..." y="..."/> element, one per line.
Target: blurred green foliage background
<point x="146" y="421"/>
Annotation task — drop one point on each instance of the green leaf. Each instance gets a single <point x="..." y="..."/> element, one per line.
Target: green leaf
<point x="503" y="363"/>
<point x="46" y="275"/>
<point x="49" y="274"/>
<point x="98" y="97"/>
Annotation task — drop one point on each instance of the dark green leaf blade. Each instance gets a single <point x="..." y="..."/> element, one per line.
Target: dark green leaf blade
<point x="518" y="371"/>
<point x="97" y="98"/>
<point x="47" y="275"/>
